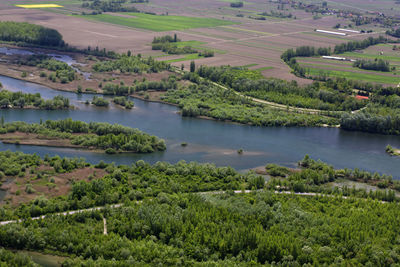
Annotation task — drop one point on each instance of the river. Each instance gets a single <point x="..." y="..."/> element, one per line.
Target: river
<point x="210" y="141"/>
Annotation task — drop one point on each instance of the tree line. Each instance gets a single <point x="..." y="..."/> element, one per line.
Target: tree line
<point x="30" y="33"/>
<point x="131" y="64"/>
<point x="377" y="65"/>
<point x="10" y="99"/>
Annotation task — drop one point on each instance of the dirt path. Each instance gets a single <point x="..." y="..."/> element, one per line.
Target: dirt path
<point x="105" y="226"/>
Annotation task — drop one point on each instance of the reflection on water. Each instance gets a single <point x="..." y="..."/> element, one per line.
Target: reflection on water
<point x="212" y="141"/>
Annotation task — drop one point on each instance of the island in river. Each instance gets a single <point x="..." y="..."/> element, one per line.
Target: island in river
<point x="110" y="138"/>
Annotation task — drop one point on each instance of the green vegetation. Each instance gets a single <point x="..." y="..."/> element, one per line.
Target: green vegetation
<point x="131" y="64"/>
<point x="185" y="58"/>
<point x="159" y="23"/>
<point x="206" y="99"/>
<point x="168" y="45"/>
<point x="62" y="71"/>
<point x="316" y="176"/>
<point x="100" y="102"/>
<point x="173" y="46"/>
<point x="117" y="89"/>
<point x="378" y="65"/>
<point x="308" y="51"/>
<point x="252" y="83"/>
<point x="108" y="6"/>
<point x="237" y="4"/>
<point x="22" y="100"/>
<point x="91" y="135"/>
<point x="380" y="116"/>
<point x="123" y="101"/>
<point x="394" y="33"/>
<point x="23" y="32"/>
<point x="321" y="74"/>
<point x="392" y="151"/>
<point x="8" y="258"/>
<point x="159" y="223"/>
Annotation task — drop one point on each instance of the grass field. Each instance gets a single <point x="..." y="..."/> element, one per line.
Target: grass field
<point x="185" y="58"/>
<point x="345" y="69"/>
<point x="367" y="77"/>
<point x="371" y="56"/>
<point x="159" y="23"/>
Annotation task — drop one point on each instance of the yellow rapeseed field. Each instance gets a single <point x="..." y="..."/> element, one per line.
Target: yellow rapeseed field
<point x="39" y="6"/>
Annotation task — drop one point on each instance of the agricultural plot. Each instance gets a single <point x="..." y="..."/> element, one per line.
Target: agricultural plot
<point x="39" y="6"/>
<point x="233" y="33"/>
<point x="333" y="68"/>
<point x="158" y="23"/>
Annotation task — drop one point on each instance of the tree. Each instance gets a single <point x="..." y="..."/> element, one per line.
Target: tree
<point x="192" y="66"/>
<point x="4" y="103"/>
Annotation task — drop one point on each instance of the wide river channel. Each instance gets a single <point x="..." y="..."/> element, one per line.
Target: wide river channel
<point x="210" y="141"/>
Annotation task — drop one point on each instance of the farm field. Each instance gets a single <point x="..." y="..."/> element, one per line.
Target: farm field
<point x="158" y="23"/>
<point x="233" y="33"/>
<point x="345" y="69"/>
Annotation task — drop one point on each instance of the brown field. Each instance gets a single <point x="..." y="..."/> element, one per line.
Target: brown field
<point x="250" y="42"/>
<point x="15" y="186"/>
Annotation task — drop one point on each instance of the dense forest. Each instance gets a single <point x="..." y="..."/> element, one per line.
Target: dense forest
<point x="160" y="223"/>
<point x="29" y="33"/>
<point x="110" y="137"/>
<point x="23" y="100"/>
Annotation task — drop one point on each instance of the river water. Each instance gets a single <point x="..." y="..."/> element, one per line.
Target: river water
<point x="211" y="141"/>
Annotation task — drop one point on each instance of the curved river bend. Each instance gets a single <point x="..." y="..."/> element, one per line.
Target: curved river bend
<point x="211" y="141"/>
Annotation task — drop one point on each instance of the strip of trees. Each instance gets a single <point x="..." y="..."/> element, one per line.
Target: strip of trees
<point x="30" y="33"/>
<point x="10" y="99"/>
<point x="112" y="138"/>
<point x="377" y="64"/>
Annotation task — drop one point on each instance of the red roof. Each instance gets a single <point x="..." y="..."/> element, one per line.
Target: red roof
<point x="362" y="97"/>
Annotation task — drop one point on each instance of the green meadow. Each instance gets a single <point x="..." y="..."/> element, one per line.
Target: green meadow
<point x="158" y="23"/>
<point x="371" y="56"/>
<point x="367" y="77"/>
<point x="186" y="58"/>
